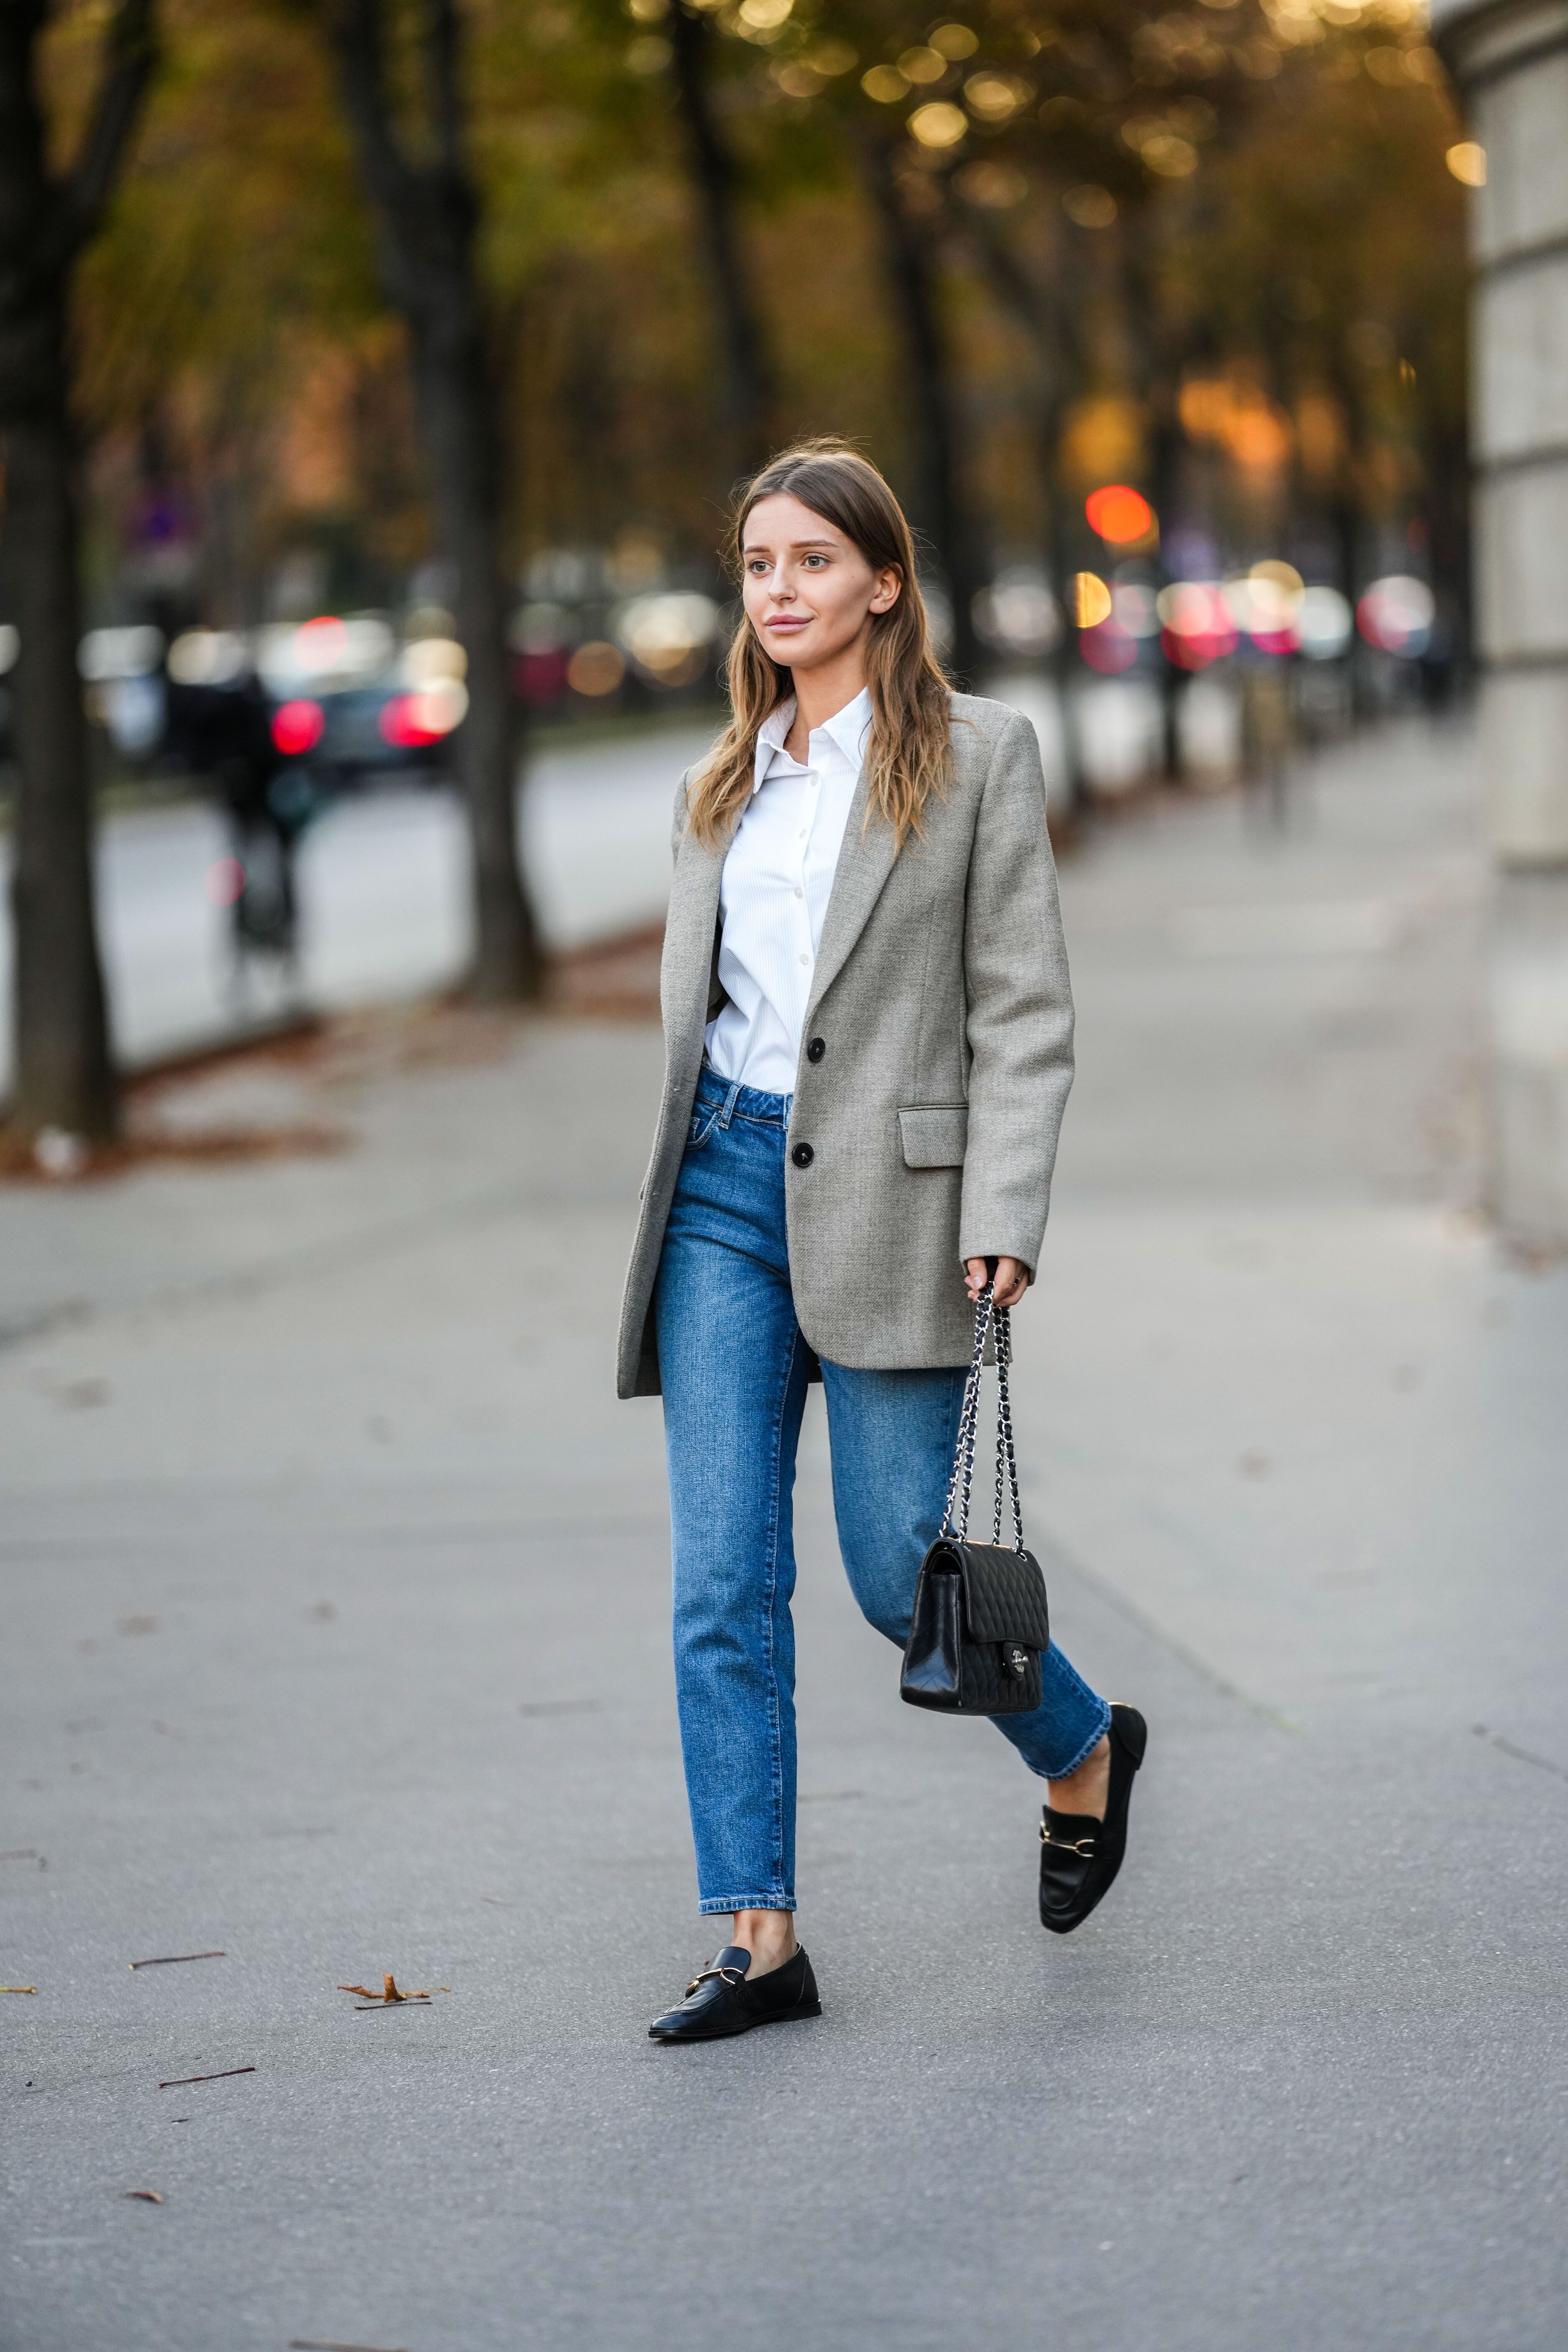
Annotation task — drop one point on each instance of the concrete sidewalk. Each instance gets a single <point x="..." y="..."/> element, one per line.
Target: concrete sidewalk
<point x="336" y="1581"/>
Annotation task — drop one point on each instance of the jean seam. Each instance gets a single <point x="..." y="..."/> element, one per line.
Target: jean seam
<point x="775" y="1736"/>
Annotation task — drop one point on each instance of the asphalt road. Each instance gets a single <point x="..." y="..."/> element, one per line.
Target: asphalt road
<point x="335" y="1588"/>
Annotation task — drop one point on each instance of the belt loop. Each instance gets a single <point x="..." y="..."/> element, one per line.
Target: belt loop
<point x="731" y="1100"/>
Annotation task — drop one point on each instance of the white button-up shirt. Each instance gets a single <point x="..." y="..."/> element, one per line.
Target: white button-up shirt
<point x="773" y="894"/>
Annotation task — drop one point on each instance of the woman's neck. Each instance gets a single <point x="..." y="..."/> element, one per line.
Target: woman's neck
<point x="820" y="695"/>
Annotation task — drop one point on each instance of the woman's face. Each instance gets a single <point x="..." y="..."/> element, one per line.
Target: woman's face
<point x="809" y="593"/>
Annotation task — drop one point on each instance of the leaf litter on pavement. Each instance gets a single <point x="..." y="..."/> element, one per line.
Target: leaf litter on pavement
<point x="389" y="1998"/>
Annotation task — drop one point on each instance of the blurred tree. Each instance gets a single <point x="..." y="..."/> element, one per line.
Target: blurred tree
<point x="748" y="398"/>
<point x="1212" y="249"/>
<point x="913" y="271"/>
<point x="64" y="1072"/>
<point x="1323" y="252"/>
<point x="232" y="335"/>
<point x="1041" y="301"/>
<point x="1018" y="109"/>
<point x="428" y="211"/>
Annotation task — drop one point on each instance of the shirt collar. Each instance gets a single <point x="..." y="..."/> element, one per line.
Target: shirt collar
<point x="770" y="735"/>
<point x="848" y="728"/>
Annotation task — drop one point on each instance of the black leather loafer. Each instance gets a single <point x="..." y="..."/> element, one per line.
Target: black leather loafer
<point x="720" y="2001"/>
<point x="1080" y="1856"/>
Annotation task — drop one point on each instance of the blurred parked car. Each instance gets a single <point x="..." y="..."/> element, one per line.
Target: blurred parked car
<point x="353" y="702"/>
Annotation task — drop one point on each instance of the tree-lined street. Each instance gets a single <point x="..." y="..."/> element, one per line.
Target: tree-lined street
<point x="385" y="892"/>
<point x="339" y="1591"/>
<point x="385" y="904"/>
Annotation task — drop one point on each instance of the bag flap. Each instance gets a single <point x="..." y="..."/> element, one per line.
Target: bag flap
<point x="1004" y="1591"/>
<point x="934" y="1138"/>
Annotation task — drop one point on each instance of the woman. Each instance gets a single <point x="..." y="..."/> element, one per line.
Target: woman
<point x="868" y="1046"/>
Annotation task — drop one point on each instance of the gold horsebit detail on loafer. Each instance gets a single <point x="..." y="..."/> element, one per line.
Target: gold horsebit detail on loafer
<point x="1082" y="1847"/>
<point x="729" y="1976"/>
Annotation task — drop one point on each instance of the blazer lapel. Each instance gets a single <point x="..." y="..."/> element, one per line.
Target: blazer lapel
<point x="865" y="862"/>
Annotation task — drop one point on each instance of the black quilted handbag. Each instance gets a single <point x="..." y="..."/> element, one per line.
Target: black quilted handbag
<point x="980" y="1620"/>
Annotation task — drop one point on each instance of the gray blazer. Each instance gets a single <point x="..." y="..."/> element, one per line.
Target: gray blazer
<point x="941" y="995"/>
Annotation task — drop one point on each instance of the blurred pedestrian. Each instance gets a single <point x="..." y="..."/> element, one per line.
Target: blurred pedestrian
<point x="869" y="1041"/>
<point x="1267" y="734"/>
<point x="225" y="733"/>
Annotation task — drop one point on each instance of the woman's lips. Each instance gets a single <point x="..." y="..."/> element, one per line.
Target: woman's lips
<point x="787" y="621"/>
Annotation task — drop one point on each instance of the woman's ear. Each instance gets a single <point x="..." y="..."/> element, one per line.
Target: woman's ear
<point x="890" y="587"/>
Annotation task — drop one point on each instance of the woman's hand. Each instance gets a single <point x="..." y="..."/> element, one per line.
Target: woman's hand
<point x="1012" y="1279"/>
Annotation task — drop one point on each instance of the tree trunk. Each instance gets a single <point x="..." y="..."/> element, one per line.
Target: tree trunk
<point x="1345" y="524"/>
<point x="748" y="395"/>
<point x="457" y="417"/>
<point x="427" y="215"/>
<point x="64" y="1075"/>
<point x="1159" y="368"/>
<point x="939" y="507"/>
<point x="1044" y="316"/>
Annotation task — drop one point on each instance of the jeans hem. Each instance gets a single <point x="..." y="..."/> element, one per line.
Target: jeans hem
<point x="716" y="1904"/>
<point x="1084" y="1753"/>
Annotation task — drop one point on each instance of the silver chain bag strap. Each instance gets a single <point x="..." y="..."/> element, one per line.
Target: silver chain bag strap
<point x="979" y="1621"/>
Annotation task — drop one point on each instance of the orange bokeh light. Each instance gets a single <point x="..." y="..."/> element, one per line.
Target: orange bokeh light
<point x="1119" y="514"/>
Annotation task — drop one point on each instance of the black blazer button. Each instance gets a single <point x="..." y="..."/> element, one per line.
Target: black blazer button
<point x="803" y="1155"/>
<point x="816" y="1050"/>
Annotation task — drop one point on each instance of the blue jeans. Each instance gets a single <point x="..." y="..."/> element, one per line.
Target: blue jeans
<point x="734" y="1367"/>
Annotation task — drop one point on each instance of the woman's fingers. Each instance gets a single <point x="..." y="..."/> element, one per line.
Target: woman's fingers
<point x="1012" y="1279"/>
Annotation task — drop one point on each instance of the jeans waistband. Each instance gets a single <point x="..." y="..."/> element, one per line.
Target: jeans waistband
<point x="732" y="1100"/>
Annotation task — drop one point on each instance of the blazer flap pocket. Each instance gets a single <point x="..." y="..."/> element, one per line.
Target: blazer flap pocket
<point x="934" y="1138"/>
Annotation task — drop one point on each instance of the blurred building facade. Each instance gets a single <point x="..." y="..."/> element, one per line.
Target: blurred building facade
<point x="1509" y="58"/>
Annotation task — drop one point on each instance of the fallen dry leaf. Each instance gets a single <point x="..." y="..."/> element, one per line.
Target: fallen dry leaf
<point x="18" y="1987"/>
<point x="390" y="1997"/>
<point x="148" y="2196"/>
<point x="315" y="2343"/>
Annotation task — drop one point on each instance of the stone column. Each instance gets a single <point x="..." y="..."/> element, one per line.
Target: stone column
<point x="1509" y="60"/>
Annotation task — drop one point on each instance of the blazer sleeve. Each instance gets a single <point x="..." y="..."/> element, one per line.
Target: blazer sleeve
<point x="1019" y="1015"/>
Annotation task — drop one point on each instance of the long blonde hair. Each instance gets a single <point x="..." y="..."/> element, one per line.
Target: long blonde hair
<point x="911" y="698"/>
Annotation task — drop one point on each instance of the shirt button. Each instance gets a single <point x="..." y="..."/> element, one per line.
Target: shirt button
<point x="806" y="959"/>
<point x="798" y="891"/>
<point x="803" y="1155"/>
